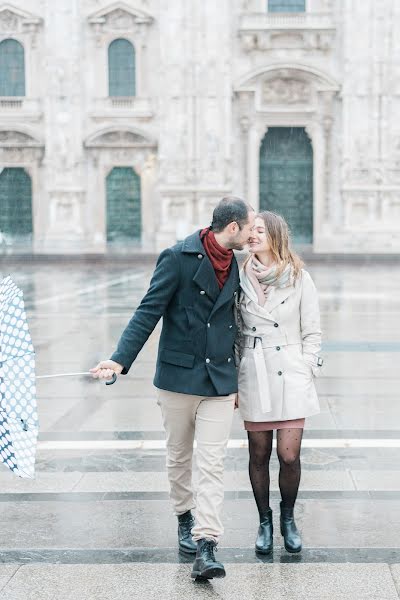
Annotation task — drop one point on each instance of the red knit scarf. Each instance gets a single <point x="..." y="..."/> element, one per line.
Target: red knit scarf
<point x="221" y="258"/>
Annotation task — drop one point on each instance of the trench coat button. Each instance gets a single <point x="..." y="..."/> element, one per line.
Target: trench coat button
<point x="278" y="347"/>
<point x="234" y="293"/>
<point x="208" y="325"/>
<point x="199" y="256"/>
<point x="208" y="360"/>
<point x="279" y="372"/>
<point x="276" y="325"/>
<point x="202" y="292"/>
<point x="254" y="328"/>
<point x="230" y="326"/>
<point x="229" y="359"/>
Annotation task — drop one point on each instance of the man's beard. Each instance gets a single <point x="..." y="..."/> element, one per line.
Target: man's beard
<point x="237" y="246"/>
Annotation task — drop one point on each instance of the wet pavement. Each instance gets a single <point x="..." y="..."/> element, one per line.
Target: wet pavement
<point x="97" y="524"/>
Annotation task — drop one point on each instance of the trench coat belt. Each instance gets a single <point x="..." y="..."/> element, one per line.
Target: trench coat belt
<point x="262" y="375"/>
<point x="249" y="341"/>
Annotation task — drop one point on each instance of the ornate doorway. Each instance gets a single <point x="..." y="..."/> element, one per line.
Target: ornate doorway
<point x="123" y="205"/>
<point x="15" y="205"/>
<point x="286" y="179"/>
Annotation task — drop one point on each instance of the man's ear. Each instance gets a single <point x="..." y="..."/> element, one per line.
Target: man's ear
<point x="233" y="228"/>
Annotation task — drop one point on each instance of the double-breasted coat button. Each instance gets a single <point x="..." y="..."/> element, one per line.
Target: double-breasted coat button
<point x="279" y="372"/>
<point x="229" y="359"/>
<point x="276" y="325"/>
<point x="208" y="325"/>
<point x="199" y="256"/>
<point x="254" y="328"/>
<point x="202" y="292"/>
<point x="230" y="326"/>
<point x="234" y="293"/>
<point x="278" y="347"/>
<point x="208" y="360"/>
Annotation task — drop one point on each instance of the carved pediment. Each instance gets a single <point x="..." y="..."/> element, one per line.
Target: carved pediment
<point x="15" y="20"/>
<point x="283" y="90"/>
<point x="118" y="139"/>
<point x="292" y="80"/>
<point x="11" y="138"/>
<point x="119" y="17"/>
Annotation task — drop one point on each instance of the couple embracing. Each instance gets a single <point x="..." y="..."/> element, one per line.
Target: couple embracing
<point x="248" y="339"/>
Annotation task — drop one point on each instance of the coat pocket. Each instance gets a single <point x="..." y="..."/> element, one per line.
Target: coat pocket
<point x="177" y="358"/>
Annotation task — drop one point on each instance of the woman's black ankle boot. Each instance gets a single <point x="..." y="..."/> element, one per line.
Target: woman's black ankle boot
<point x="264" y="541"/>
<point x="289" y="530"/>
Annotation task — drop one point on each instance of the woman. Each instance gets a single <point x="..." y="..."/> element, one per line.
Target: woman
<point x="279" y="345"/>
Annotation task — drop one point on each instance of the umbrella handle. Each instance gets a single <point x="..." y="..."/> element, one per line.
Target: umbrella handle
<point x="112" y="380"/>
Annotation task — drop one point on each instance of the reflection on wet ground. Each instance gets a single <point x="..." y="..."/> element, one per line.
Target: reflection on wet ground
<point x="96" y="523"/>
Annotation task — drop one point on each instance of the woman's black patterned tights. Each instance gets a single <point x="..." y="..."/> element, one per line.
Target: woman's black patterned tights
<point x="288" y="449"/>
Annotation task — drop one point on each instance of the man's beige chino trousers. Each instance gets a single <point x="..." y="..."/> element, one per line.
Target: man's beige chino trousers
<point x="207" y="420"/>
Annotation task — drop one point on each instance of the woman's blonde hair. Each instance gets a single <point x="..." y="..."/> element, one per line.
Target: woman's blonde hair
<point x="278" y="235"/>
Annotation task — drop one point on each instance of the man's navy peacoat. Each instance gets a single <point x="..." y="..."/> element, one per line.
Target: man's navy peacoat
<point x="196" y="349"/>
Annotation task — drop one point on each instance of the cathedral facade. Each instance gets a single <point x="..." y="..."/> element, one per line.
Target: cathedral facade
<point x="123" y="123"/>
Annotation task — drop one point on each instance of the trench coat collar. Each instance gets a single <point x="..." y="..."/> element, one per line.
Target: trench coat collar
<point x="277" y="296"/>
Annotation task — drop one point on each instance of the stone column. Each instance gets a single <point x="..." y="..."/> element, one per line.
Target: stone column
<point x="63" y="131"/>
<point x="315" y="132"/>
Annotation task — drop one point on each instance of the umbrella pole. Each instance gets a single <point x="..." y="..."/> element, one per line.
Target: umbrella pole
<point x="110" y="382"/>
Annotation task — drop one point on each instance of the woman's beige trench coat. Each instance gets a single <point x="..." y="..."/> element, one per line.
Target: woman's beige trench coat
<point x="280" y="346"/>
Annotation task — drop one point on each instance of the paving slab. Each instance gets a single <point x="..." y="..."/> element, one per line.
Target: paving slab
<point x="6" y="574"/>
<point x="173" y="582"/>
<point x="332" y="523"/>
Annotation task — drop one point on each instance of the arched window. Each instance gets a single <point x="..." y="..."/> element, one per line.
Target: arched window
<point x="121" y="68"/>
<point x="12" y="68"/>
<point x="286" y="5"/>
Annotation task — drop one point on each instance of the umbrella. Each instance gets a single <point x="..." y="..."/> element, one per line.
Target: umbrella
<point x="19" y="423"/>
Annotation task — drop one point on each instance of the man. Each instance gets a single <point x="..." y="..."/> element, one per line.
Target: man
<point x="193" y="288"/>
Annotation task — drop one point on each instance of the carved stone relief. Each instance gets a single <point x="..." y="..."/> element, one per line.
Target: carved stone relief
<point x="264" y="40"/>
<point x="120" y="139"/>
<point x="16" y="138"/>
<point x="15" y="154"/>
<point x="120" y="20"/>
<point x="9" y="21"/>
<point x="24" y="23"/>
<point x="286" y="91"/>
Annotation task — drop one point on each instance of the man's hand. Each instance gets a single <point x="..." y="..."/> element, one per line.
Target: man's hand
<point x="106" y="369"/>
<point x="236" y="401"/>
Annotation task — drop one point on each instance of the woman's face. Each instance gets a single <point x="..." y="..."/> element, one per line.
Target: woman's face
<point x="258" y="238"/>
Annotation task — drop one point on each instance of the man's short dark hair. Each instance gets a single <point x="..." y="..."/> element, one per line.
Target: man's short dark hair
<point x="228" y="210"/>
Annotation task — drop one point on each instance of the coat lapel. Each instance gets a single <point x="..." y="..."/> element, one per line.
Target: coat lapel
<point x="206" y="279"/>
<point x="230" y="287"/>
<point x="277" y="296"/>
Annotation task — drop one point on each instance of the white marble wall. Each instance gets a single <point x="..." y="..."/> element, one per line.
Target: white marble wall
<point x="211" y="78"/>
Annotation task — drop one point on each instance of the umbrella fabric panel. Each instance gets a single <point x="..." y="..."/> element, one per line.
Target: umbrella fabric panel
<point x="15" y="339"/>
<point x="6" y="447"/>
<point x="18" y="389"/>
<point x="18" y="447"/>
